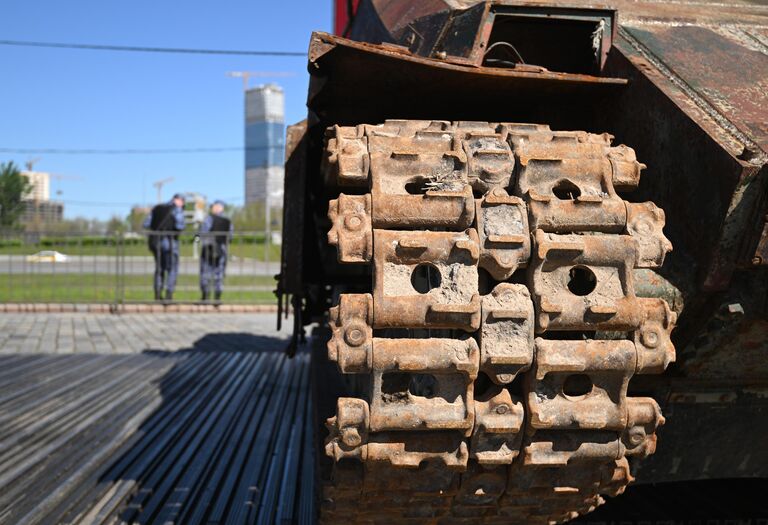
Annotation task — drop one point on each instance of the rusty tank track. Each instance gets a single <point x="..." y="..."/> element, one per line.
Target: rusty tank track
<point x="508" y="256"/>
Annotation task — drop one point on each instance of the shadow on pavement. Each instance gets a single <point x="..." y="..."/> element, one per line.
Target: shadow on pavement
<point x="226" y="440"/>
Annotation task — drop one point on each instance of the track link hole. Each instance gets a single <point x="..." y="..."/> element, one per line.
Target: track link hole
<point x="577" y="385"/>
<point x="423" y="385"/>
<point x="396" y="386"/>
<point x="565" y="190"/>
<point x="425" y="277"/>
<point x="581" y="280"/>
<point x="417" y="186"/>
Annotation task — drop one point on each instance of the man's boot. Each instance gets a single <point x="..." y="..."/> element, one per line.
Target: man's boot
<point x="158" y="295"/>
<point x="205" y="295"/>
<point x="217" y="296"/>
<point x="169" y="295"/>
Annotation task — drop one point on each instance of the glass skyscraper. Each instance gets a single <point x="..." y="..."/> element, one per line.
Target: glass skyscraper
<point x="265" y="144"/>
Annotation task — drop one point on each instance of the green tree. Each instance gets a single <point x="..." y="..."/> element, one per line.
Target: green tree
<point x="13" y="187"/>
<point x="251" y="217"/>
<point x="116" y="225"/>
<point x="136" y="218"/>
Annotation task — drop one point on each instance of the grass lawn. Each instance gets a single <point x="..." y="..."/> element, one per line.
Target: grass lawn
<point x="90" y="288"/>
<point x="252" y="251"/>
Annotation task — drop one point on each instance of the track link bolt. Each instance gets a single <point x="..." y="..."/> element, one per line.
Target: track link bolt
<point x="650" y="338"/>
<point x="354" y="336"/>
<point x="350" y="436"/>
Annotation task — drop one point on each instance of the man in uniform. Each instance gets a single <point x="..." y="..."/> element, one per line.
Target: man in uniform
<point x="215" y="234"/>
<point x="164" y="222"/>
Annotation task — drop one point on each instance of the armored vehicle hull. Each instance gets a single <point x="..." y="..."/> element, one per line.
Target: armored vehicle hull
<point x="481" y="208"/>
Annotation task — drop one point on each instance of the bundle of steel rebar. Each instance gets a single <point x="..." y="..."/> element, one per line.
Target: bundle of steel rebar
<point x="156" y="437"/>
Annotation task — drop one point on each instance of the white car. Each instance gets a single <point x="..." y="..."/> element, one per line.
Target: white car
<point x="47" y="256"/>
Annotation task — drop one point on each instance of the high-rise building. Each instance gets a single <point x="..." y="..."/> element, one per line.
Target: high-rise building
<point x="40" y="185"/>
<point x="265" y="145"/>
<point x="39" y="209"/>
<point x="38" y="214"/>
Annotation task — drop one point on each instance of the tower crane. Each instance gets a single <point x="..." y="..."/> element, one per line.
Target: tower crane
<point x="246" y="75"/>
<point x="159" y="185"/>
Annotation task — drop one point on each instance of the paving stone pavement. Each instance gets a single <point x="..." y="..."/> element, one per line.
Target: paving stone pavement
<point x="63" y="333"/>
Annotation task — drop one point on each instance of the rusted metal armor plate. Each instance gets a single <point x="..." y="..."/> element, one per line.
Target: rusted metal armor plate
<point x="502" y="226"/>
<point x="580" y="384"/>
<point x="506" y="333"/>
<point x="351" y="231"/>
<point x="423" y="384"/>
<point x="515" y="409"/>
<point x="584" y="282"/>
<point x="498" y="428"/>
<point x="737" y="87"/>
<point x="426" y="279"/>
<point x="567" y="180"/>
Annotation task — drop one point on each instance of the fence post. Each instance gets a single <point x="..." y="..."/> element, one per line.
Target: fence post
<point x="118" y="237"/>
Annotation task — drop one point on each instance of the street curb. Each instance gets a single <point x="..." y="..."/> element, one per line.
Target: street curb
<point x="151" y="308"/>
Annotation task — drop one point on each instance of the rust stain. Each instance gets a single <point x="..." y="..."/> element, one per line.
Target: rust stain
<point x="737" y="86"/>
<point x="323" y="43"/>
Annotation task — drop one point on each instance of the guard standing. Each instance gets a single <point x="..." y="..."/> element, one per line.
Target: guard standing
<point x="215" y="234"/>
<point x="164" y="222"/>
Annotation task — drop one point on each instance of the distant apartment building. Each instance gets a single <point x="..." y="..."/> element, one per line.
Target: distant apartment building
<point x="40" y="185"/>
<point x="265" y="145"/>
<point x="40" y="213"/>
<point x="39" y="209"/>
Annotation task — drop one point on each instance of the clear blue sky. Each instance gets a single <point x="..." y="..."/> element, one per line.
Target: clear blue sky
<point x="81" y="99"/>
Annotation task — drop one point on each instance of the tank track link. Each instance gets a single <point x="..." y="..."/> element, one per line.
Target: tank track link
<point x="506" y="402"/>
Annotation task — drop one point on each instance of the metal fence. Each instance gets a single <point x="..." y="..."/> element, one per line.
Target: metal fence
<point x="120" y="268"/>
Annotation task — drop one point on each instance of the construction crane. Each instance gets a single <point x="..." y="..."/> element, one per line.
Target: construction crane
<point x="30" y="164"/>
<point x="59" y="177"/>
<point x="159" y="185"/>
<point x="30" y="168"/>
<point x="246" y="75"/>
